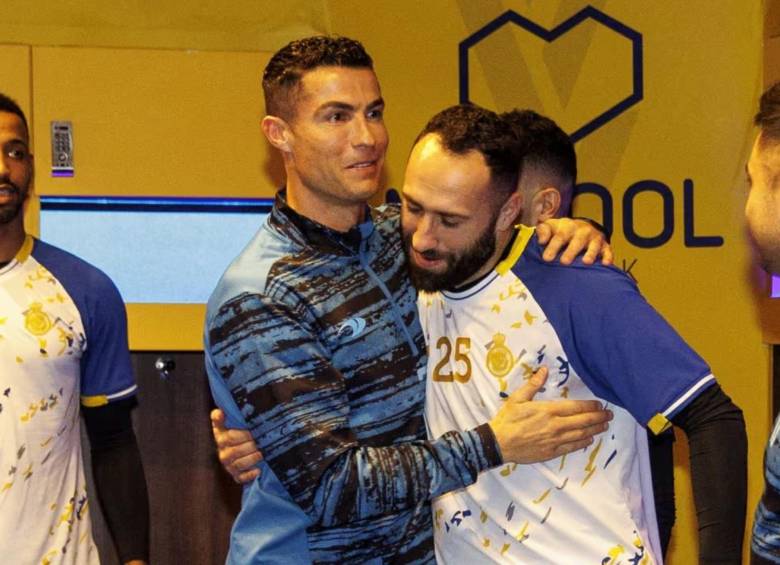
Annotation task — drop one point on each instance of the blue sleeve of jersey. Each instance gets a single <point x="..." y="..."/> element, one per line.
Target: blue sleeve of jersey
<point x="296" y="405"/>
<point x="106" y="371"/>
<point x="619" y="345"/>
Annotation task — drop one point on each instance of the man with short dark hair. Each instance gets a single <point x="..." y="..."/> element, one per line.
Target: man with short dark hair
<point x="492" y="312"/>
<point x="549" y="173"/>
<point x="762" y="212"/>
<point x="63" y="352"/>
<point x="549" y="166"/>
<point x="313" y="343"/>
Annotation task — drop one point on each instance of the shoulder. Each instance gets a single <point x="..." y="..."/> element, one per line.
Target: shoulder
<point x="250" y="273"/>
<point x="577" y="281"/>
<point x="75" y="274"/>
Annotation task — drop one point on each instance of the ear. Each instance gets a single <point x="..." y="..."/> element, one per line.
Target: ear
<point x="546" y="203"/>
<point x="510" y="211"/>
<point x="278" y="132"/>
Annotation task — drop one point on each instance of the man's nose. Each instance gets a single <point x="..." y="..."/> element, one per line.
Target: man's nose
<point x="424" y="236"/>
<point x="363" y="134"/>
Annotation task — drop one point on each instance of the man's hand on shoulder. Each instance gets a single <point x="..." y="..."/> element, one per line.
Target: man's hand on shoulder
<point x="236" y="449"/>
<point x="573" y="236"/>
<point x="529" y="431"/>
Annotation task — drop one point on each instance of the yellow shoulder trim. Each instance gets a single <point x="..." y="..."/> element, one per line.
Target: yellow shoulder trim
<point x="522" y="239"/>
<point x="25" y="249"/>
<point x="94" y="401"/>
<point x="659" y="424"/>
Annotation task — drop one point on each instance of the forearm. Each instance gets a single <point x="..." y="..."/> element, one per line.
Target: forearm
<point x="119" y="479"/>
<point x="337" y="479"/>
<point x="367" y="481"/>
<point x="718" y="455"/>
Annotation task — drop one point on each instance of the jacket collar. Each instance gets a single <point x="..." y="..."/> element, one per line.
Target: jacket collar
<point x="310" y="233"/>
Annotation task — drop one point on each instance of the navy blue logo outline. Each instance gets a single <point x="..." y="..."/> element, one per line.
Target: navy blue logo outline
<point x="551" y="35"/>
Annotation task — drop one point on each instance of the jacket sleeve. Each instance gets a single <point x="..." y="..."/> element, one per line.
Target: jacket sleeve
<point x="297" y="406"/>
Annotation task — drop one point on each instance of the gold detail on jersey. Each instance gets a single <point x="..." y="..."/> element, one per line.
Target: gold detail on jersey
<point x="565" y="392"/>
<point x="3" y="321"/>
<point x="517" y="325"/>
<point x="437" y="518"/>
<point x="522" y="536"/>
<point x="523" y="237"/>
<point x="19" y="359"/>
<point x="529" y="318"/>
<point x="499" y="357"/>
<point x="506" y="471"/>
<point x="483" y="516"/>
<point x="528" y="371"/>
<point x="496" y="308"/>
<point x="505" y="548"/>
<point x="563" y="462"/>
<point x="543" y="496"/>
<point x="486" y="543"/>
<point x="443" y="372"/>
<point x="40" y="274"/>
<point x="659" y="424"/>
<point x="614" y="553"/>
<point x="590" y="467"/>
<point x="7" y="486"/>
<point x="27" y="473"/>
<point x="515" y="289"/>
<point x="36" y="321"/>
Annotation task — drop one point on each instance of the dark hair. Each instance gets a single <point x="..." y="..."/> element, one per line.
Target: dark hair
<point x="8" y="104"/>
<point x="283" y="73"/>
<point x="768" y="116"/>
<point x="467" y="127"/>
<point x="544" y="145"/>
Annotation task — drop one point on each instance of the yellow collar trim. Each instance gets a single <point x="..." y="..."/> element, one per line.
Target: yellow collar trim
<point x="521" y="241"/>
<point x="25" y="250"/>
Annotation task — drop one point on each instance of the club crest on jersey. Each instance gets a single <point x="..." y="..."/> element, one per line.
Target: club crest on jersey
<point x="36" y="321"/>
<point x="499" y="357"/>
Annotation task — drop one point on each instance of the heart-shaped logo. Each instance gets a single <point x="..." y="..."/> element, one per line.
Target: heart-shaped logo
<point x="597" y="68"/>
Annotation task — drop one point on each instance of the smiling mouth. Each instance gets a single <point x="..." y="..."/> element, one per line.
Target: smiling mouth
<point x="7" y="192"/>
<point x="363" y="165"/>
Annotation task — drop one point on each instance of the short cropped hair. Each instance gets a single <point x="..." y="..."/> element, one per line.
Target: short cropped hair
<point x="545" y="146"/>
<point x="283" y="73"/>
<point x="768" y="116"/>
<point x="467" y="127"/>
<point x="8" y="104"/>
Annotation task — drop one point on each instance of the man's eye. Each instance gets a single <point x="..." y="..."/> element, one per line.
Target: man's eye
<point x="337" y="117"/>
<point x="376" y="115"/>
<point x="450" y="222"/>
<point x="18" y="154"/>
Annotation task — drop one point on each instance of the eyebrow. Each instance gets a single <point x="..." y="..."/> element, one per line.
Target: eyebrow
<point x="442" y="214"/>
<point x="336" y="105"/>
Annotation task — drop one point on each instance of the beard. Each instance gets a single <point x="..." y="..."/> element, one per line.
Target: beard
<point x="460" y="266"/>
<point x="10" y="211"/>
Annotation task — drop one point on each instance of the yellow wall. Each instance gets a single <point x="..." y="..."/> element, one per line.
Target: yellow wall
<point x="702" y="64"/>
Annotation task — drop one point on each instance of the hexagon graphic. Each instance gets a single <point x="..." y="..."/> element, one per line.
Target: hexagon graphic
<point x="589" y="13"/>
